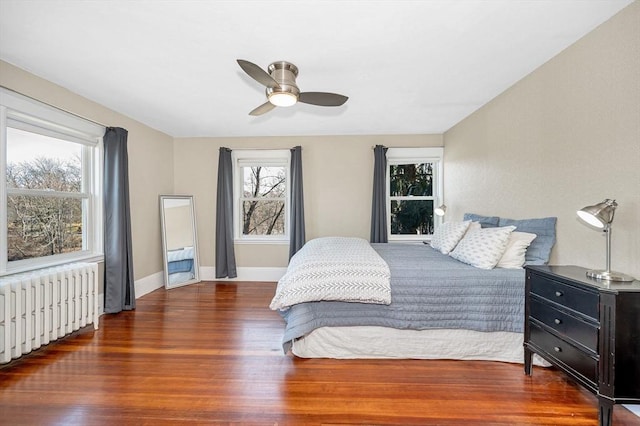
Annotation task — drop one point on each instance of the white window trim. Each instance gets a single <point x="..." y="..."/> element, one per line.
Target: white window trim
<point x="433" y="155"/>
<point x="259" y="157"/>
<point x="25" y="113"/>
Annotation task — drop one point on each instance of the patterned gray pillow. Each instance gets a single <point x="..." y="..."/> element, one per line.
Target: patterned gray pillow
<point x="447" y="235"/>
<point x="483" y="248"/>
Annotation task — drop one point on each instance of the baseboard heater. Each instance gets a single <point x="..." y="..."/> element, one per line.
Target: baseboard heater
<point x="41" y="306"/>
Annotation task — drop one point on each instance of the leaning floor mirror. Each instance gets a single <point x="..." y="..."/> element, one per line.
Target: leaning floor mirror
<point x="179" y="240"/>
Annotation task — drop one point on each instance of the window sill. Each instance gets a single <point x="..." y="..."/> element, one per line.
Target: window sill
<point x="262" y="242"/>
<point x="417" y="240"/>
<point x="42" y="265"/>
<point x="423" y="241"/>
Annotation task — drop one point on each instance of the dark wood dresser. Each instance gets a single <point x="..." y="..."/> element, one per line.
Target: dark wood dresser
<point x="588" y="329"/>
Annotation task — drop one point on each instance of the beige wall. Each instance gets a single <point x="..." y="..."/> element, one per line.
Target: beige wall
<point x="566" y="136"/>
<point x="150" y="161"/>
<point x="337" y="175"/>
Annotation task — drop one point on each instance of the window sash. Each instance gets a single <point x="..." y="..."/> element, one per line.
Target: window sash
<point x="259" y="158"/>
<point x="412" y="197"/>
<point x="406" y="222"/>
<point x="242" y="170"/>
<point x="276" y="223"/>
<point x="401" y="156"/>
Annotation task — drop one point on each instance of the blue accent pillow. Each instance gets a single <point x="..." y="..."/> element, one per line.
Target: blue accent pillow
<point x="539" y="251"/>
<point x="485" y="221"/>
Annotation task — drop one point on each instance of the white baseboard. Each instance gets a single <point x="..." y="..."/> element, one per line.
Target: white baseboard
<point x="149" y="283"/>
<point x="207" y="273"/>
<point x="271" y="274"/>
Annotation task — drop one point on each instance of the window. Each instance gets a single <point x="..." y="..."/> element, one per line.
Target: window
<point x="50" y="192"/>
<point x="414" y="189"/>
<point x="261" y="194"/>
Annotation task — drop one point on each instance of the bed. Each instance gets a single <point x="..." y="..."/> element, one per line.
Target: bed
<point x="439" y="308"/>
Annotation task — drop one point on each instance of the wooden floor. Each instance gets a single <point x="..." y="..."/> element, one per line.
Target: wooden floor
<point x="210" y="353"/>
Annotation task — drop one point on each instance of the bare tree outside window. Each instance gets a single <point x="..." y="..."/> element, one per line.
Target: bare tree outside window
<point x="263" y="200"/>
<point x="42" y="225"/>
<point x="44" y="196"/>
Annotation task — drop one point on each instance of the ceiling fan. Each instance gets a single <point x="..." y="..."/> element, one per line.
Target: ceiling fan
<point x="282" y="89"/>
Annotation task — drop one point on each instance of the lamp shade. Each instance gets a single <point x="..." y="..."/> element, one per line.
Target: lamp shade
<point x="440" y="211"/>
<point x="599" y="215"/>
<point x="282" y="99"/>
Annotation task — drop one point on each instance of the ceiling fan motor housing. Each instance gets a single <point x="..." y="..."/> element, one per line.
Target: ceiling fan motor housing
<point x="285" y="74"/>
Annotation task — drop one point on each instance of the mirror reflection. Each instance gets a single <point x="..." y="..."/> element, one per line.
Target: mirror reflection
<point x="179" y="240"/>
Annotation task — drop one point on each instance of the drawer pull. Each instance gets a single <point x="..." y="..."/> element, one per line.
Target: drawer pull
<point x="557" y="349"/>
<point x="558" y="293"/>
<point x="557" y="321"/>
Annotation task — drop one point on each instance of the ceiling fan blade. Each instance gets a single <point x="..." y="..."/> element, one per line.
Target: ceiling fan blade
<point x="257" y="73"/>
<point x="322" y="98"/>
<point x="263" y="109"/>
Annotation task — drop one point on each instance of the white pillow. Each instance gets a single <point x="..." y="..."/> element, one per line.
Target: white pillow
<point x="513" y="257"/>
<point x="473" y="226"/>
<point x="447" y="235"/>
<point x="483" y="248"/>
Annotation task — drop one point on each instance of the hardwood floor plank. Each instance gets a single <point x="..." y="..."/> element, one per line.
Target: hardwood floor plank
<point x="211" y="353"/>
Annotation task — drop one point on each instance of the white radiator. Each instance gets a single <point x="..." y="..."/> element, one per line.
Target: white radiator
<point x="41" y="306"/>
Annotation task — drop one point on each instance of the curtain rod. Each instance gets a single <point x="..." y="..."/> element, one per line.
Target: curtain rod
<point x="56" y="107"/>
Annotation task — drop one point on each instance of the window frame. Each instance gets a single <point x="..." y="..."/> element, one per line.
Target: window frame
<point x="27" y="114"/>
<point x="263" y="158"/>
<point x="397" y="156"/>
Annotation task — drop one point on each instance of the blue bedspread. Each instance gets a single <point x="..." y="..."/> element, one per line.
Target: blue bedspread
<point x="428" y="290"/>
<point x="184" y="265"/>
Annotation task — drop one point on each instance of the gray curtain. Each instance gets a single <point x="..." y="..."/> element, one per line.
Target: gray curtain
<point x="297" y="238"/>
<point x="119" y="291"/>
<point x="225" y="254"/>
<point x="379" y="205"/>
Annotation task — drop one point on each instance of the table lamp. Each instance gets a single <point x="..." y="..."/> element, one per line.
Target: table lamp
<point x="601" y="216"/>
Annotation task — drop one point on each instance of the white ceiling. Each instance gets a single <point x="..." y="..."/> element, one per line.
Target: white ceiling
<point x="408" y="67"/>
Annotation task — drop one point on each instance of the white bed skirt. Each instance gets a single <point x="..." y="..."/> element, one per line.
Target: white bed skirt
<point x="382" y="342"/>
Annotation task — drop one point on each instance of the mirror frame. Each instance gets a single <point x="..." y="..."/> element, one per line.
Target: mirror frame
<point x="196" y="261"/>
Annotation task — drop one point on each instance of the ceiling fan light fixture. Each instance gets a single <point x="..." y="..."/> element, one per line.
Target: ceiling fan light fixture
<point x="282" y="99"/>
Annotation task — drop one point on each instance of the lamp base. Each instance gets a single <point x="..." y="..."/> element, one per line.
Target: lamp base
<point x="609" y="276"/>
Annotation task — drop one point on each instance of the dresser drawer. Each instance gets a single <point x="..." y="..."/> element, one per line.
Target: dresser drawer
<point x="570" y="356"/>
<point x="578" y="330"/>
<point x="574" y="298"/>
